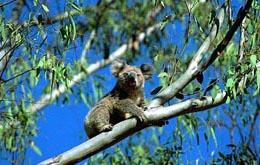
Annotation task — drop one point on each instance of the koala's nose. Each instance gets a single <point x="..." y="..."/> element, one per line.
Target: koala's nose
<point x="129" y="75"/>
<point x="132" y="74"/>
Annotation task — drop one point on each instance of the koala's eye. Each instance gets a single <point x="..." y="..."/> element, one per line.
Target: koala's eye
<point x="139" y="75"/>
<point x="125" y="74"/>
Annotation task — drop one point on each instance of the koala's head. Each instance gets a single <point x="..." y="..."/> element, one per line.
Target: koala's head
<point x="131" y="76"/>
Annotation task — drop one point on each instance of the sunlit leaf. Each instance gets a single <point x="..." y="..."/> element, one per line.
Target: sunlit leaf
<point x="36" y="149"/>
<point x="230" y="82"/>
<point x="45" y="8"/>
<point x="214" y="137"/>
<point x="228" y="100"/>
<point x="163" y="74"/>
<point x="253" y="60"/>
<point x="76" y="7"/>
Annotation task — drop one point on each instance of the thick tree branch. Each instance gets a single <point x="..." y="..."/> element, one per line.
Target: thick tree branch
<point x="125" y="128"/>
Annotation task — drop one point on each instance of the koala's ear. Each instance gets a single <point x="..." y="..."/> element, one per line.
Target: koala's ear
<point x="117" y="67"/>
<point x="147" y="70"/>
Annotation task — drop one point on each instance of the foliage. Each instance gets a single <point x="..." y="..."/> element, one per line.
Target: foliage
<point x="44" y="46"/>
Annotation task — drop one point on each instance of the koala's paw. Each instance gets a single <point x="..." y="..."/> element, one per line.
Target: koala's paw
<point x="106" y="128"/>
<point x="142" y="118"/>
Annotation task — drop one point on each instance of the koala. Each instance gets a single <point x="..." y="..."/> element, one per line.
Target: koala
<point x="124" y="101"/>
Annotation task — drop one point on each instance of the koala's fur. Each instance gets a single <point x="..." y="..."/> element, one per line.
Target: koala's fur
<point x="124" y="101"/>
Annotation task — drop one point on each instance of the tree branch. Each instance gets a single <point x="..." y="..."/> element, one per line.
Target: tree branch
<point x="241" y="41"/>
<point x="87" y="46"/>
<point x="125" y="128"/>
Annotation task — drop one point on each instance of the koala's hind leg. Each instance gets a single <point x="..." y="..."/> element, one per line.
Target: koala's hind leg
<point x="102" y="121"/>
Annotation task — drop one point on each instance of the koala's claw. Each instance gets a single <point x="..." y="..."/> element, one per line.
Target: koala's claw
<point x="107" y="128"/>
<point x="142" y="118"/>
<point x="145" y="108"/>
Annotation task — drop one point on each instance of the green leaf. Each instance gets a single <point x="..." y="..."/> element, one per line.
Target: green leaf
<point x="230" y="82"/>
<point x="214" y="136"/>
<point x="162" y="3"/>
<point x="256" y="5"/>
<point x="83" y="98"/>
<point x="76" y="7"/>
<point x="163" y="74"/>
<point x="9" y="143"/>
<point x="228" y="100"/>
<point x="258" y="81"/>
<point x="165" y="21"/>
<point x="35" y="2"/>
<point x="45" y="8"/>
<point x="253" y="60"/>
<point x="215" y="91"/>
<point x="36" y="149"/>
<point x="73" y="27"/>
<point x="198" y="24"/>
<point x="2" y="30"/>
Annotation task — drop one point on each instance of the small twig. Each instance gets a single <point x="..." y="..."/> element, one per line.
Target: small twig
<point x="18" y="75"/>
<point x="187" y="32"/>
<point x="87" y="46"/>
<point x="6" y="3"/>
<point x="229" y="12"/>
